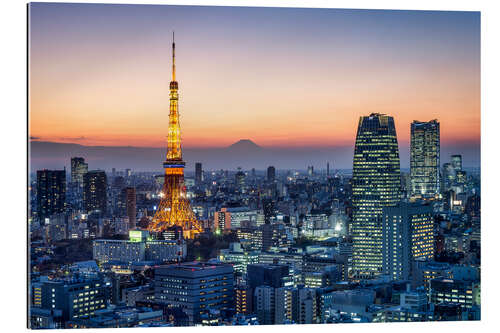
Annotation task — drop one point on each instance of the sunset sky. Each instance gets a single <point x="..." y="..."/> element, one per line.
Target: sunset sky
<point x="99" y="74"/>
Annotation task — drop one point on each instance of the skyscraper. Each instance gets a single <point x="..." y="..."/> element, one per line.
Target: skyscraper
<point x="271" y="174"/>
<point x="198" y="174"/>
<point x="75" y="188"/>
<point x="456" y="162"/>
<point x="51" y="192"/>
<point x="78" y="169"/>
<point x="94" y="191"/>
<point x="375" y="184"/>
<point x="449" y="175"/>
<point x="128" y="197"/>
<point x="239" y="179"/>
<point x="425" y="158"/>
<point x="310" y="170"/>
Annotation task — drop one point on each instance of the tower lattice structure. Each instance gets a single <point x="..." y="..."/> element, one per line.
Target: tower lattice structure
<point x="175" y="208"/>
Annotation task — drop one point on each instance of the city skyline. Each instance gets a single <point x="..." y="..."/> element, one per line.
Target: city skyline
<point x="283" y="221"/>
<point x="328" y="72"/>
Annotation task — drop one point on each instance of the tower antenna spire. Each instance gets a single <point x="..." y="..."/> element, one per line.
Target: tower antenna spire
<point x="173" y="55"/>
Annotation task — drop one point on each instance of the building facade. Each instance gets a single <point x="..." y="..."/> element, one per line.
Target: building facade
<point x="408" y="235"/>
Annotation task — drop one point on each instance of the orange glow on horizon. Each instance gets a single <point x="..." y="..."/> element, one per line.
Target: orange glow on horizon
<point x="114" y="92"/>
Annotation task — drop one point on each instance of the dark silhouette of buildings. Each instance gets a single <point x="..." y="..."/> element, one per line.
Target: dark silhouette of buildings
<point x="271" y="174"/>
<point x="198" y="173"/>
<point x="94" y="191"/>
<point x="51" y="192"/>
<point x="129" y="198"/>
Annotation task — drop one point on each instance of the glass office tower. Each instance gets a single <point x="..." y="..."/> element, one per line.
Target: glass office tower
<point x="375" y="184"/>
<point x="424" y="159"/>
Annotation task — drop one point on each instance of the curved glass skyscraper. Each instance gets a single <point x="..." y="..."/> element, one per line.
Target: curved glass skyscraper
<point x="376" y="183"/>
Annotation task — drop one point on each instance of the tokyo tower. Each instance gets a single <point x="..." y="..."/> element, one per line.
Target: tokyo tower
<point x="174" y="208"/>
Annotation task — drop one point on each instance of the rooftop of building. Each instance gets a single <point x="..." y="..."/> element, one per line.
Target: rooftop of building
<point x="237" y="209"/>
<point x="74" y="279"/>
<point x="196" y="266"/>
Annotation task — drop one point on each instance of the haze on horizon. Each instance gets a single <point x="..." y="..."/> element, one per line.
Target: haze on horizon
<point x="282" y="77"/>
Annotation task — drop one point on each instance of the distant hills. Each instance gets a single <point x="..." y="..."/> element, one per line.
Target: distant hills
<point x="244" y="153"/>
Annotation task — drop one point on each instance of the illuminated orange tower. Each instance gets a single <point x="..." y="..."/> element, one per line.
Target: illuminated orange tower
<point x="174" y="208"/>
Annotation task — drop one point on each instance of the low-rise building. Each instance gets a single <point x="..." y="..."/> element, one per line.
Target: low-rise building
<point x="75" y="297"/>
<point x="138" y="248"/>
<point x="195" y="287"/>
<point x="464" y="293"/>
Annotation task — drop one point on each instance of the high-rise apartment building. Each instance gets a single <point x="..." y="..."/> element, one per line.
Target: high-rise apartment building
<point x="375" y="184"/>
<point x="425" y="159"/>
<point x="51" y="192"/>
<point x="94" y="191"/>
<point x="243" y="298"/>
<point x="78" y="169"/>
